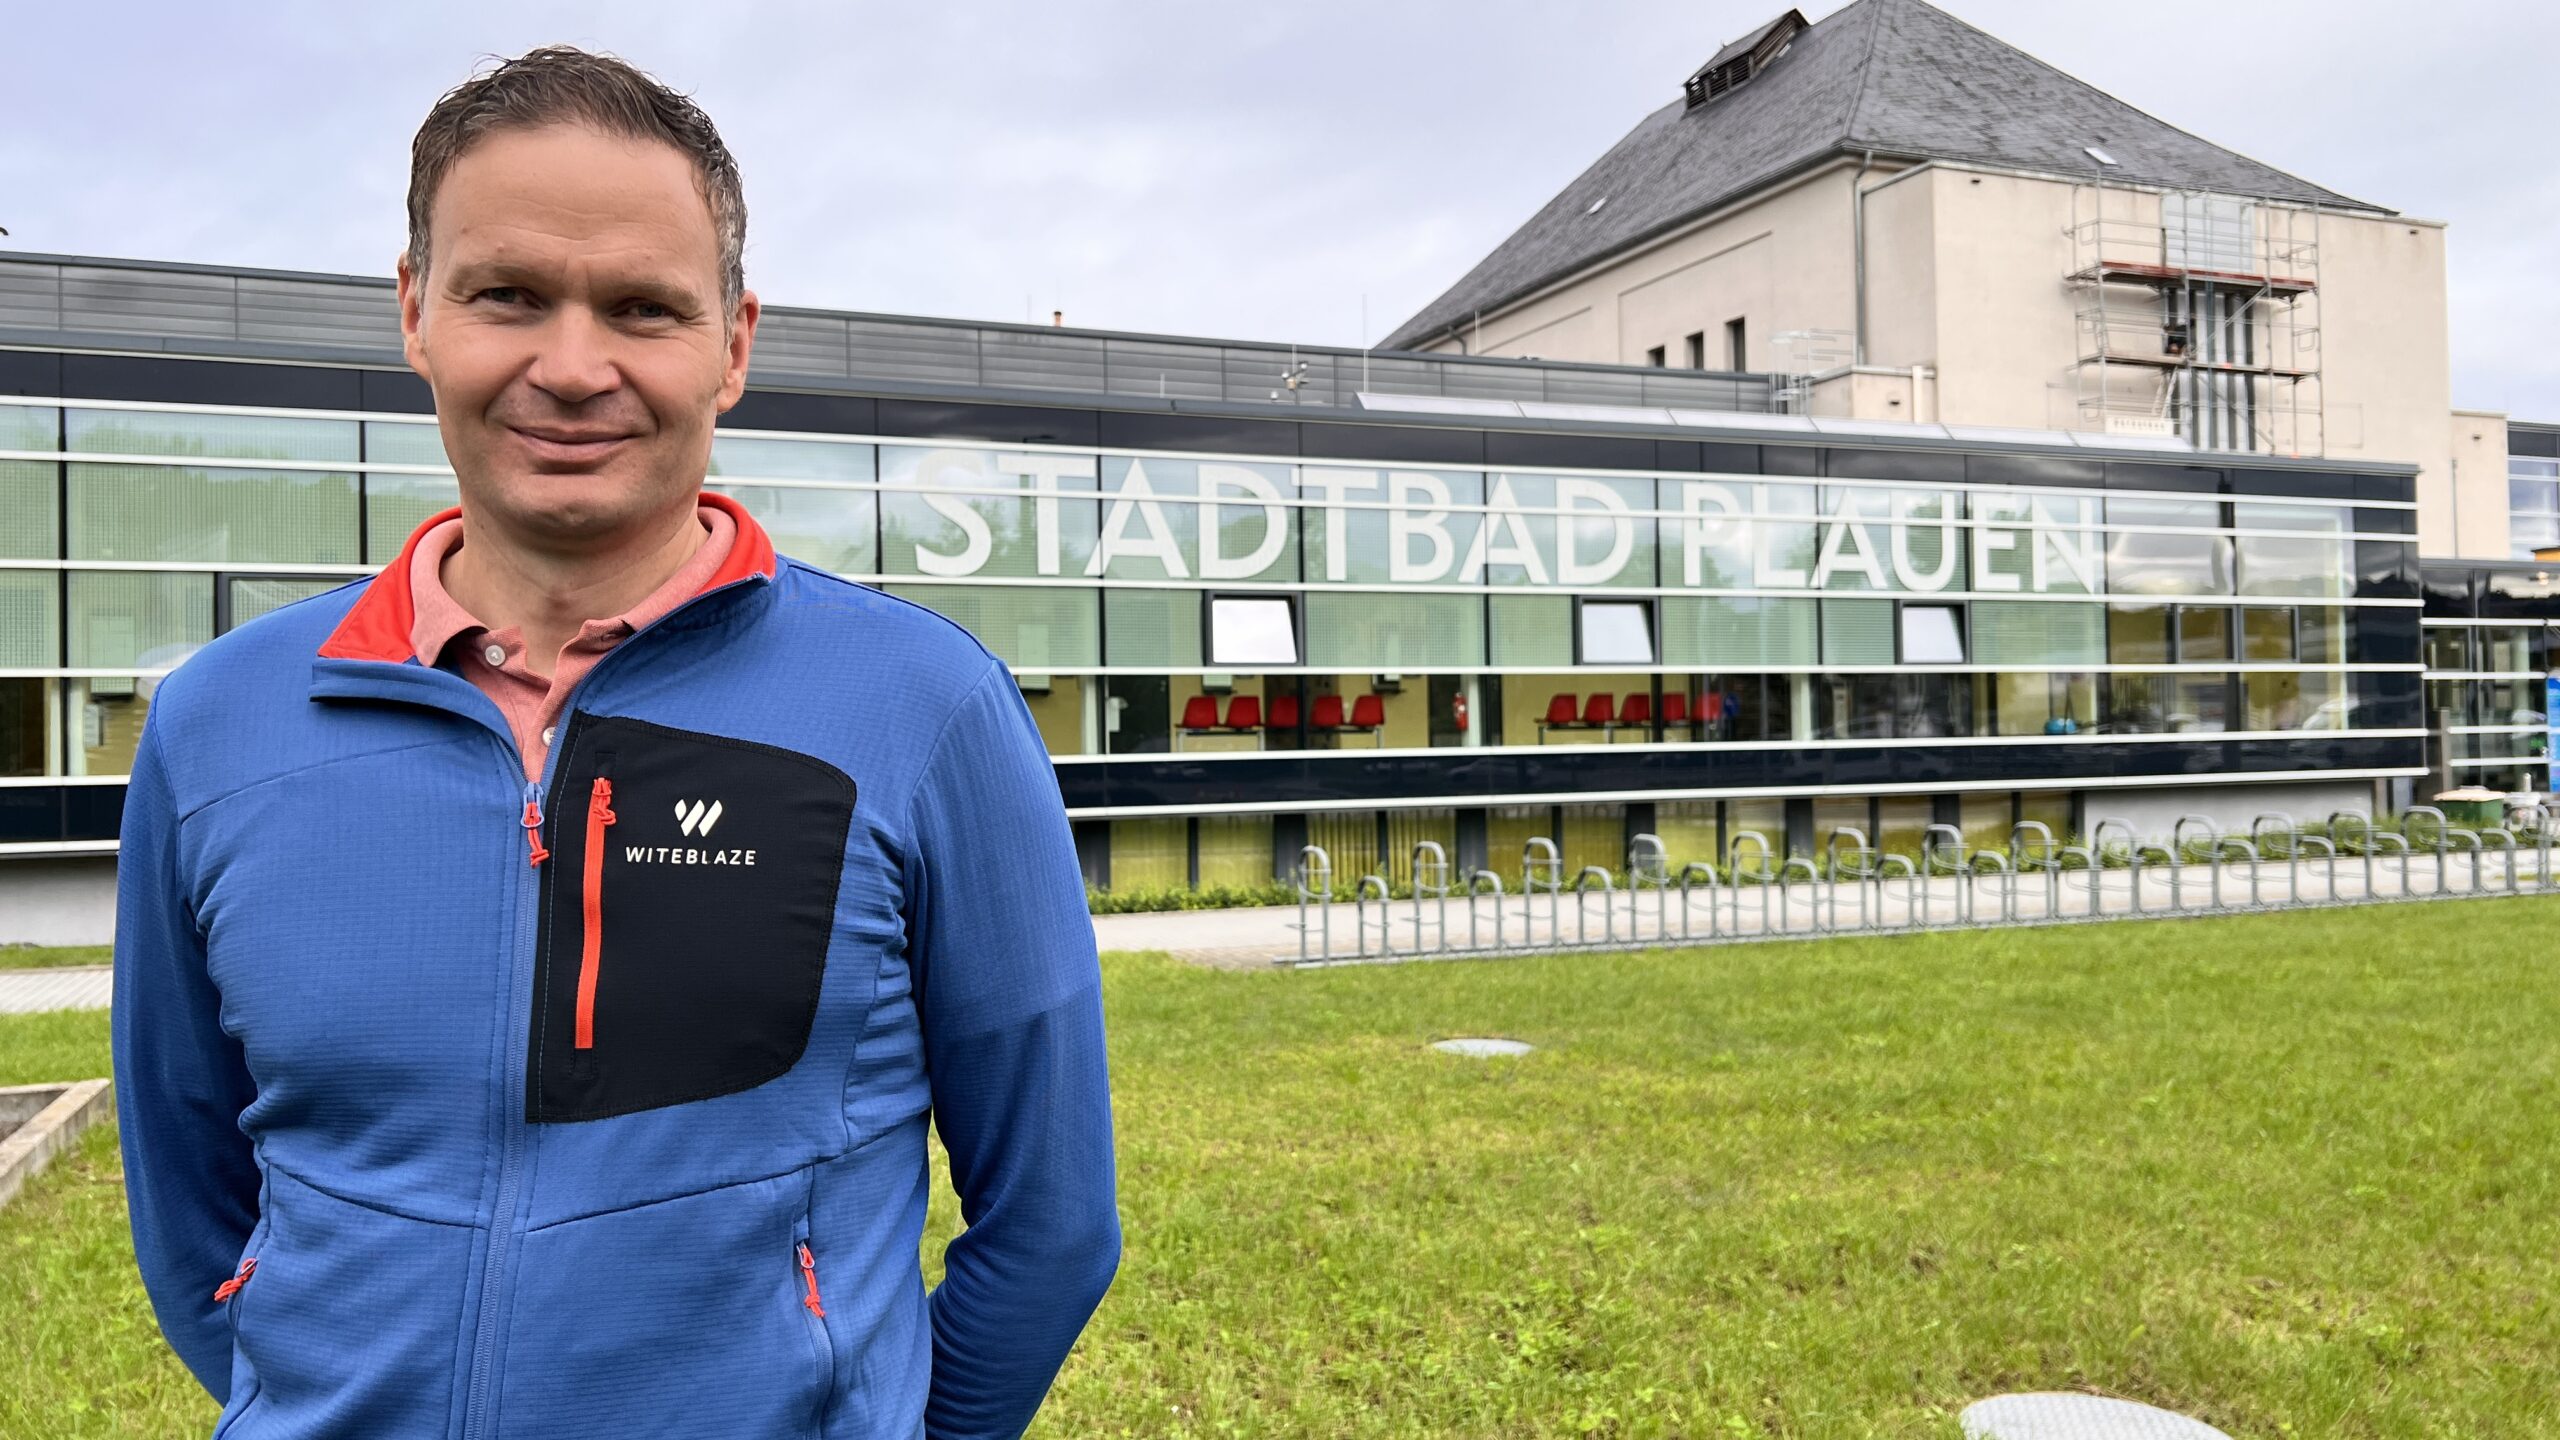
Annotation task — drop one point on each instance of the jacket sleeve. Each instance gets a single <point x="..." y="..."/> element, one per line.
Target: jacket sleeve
<point x="190" y="1175"/>
<point x="1010" y="994"/>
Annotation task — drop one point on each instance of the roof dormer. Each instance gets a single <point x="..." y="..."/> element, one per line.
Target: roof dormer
<point x="1736" y="63"/>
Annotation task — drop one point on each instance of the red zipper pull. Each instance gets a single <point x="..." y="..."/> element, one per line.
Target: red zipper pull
<point x="591" y="948"/>
<point x="533" y="833"/>
<point x="809" y="1277"/>
<point x="231" y="1287"/>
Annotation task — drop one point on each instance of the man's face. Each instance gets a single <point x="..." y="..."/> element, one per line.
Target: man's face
<point x="570" y="323"/>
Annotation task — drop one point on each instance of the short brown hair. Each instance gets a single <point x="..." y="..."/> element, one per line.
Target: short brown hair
<point x="561" y="84"/>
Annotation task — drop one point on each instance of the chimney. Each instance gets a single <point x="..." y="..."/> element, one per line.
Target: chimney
<point x="1057" y="317"/>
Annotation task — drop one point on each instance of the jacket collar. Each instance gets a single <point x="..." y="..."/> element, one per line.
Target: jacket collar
<point x="380" y="623"/>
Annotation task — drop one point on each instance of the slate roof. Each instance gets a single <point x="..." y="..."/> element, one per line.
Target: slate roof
<point x="1899" y="77"/>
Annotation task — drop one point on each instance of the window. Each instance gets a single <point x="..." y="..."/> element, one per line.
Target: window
<point x="1034" y="630"/>
<point x="1932" y="635"/>
<point x="1857" y="632"/>
<point x="239" y="599"/>
<point x="1654" y="357"/>
<point x="27" y="486"/>
<point x="2448" y="647"/>
<point x="2174" y="554"/>
<point x="1697" y="344"/>
<point x="2505" y="648"/>
<point x="186" y="434"/>
<point x="2138" y="634"/>
<point x="1614" y="632"/>
<point x="1393" y="630"/>
<point x="2204" y="634"/>
<point x="1735" y="349"/>
<point x="2029" y="632"/>
<point x="170" y="512"/>
<point x="2533" y="505"/>
<point x="1708" y="631"/>
<point x="2266" y="634"/>
<point x="1252" y="630"/>
<point x="2294" y="564"/>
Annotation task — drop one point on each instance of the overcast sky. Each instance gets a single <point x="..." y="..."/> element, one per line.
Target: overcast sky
<point x="1204" y="168"/>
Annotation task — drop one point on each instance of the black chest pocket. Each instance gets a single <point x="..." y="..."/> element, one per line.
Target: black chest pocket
<point x="685" y="913"/>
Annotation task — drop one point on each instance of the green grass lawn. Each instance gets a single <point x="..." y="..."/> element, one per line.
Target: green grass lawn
<point x="2292" y="1174"/>
<point x="40" y="957"/>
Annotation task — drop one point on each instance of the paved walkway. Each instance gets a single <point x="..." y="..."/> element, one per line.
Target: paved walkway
<point x="69" y="987"/>
<point x="1244" y="939"/>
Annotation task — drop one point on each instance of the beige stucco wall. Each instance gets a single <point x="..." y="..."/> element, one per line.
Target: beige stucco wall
<point x="2467" y="516"/>
<point x="1781" y="262"/>
<point x="2385" y="353"/>
<point x="1902" y="269"/>
<point x="2001" y="322"/>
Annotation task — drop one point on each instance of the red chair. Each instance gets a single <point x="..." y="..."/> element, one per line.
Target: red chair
<point x="1559" y="716"/>
<point x="1199" y="717"/>
<point x="1675" y="708"/>
<point x="1636" y="709"/>
<point x="1244" y="712"/>
<point x="1596" y="711"/>
<point x="1327" y="715"/>
<point x="1369" y="713"/>
<point x="1284" y="712"/>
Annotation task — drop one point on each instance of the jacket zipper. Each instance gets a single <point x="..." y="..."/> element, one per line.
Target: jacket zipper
<point x="591" y="906"/>
<point x="477" y="1403"/>
<point x="809" y="1279"/>
<point x="228" y="1288"/>
<point x="533" y="825"/>
<point x="511" y="1134"/>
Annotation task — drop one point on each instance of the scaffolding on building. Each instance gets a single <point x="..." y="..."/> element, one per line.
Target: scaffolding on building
<point x="2197" y="315"/>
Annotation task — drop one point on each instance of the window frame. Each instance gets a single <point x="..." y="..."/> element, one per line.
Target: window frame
<point x="1649" y="606"/>
<point x="1210" y="658"/>
<point x="1962" y="614"/>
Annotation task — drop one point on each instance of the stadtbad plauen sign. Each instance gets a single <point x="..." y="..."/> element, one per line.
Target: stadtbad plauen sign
<point x="1124" y="517"/>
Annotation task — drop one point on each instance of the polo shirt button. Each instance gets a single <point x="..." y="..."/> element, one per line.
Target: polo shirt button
<point x="546" y="734"/>
<point x="495" y="654"/>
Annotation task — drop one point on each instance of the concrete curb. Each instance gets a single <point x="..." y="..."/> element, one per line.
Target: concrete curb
<point x="47" y="1118"/>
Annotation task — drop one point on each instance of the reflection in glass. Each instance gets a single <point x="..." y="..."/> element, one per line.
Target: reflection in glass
<point x="184" y="435"/>
<point x="169" y="512"/>
<point x="2179" y="559"/>
<point x="138" y="618"/>
<point x="396" y="505"/>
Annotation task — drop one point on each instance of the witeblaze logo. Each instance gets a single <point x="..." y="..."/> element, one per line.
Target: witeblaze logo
<point x="694" y="818"/>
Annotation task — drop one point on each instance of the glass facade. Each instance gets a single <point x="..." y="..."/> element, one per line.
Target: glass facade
<point x="2533" y="505"/>
<point x="2485" y="699"/>
<point x="1188" y="616"/>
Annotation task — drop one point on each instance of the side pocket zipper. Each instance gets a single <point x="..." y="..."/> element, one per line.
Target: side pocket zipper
<point x="807" y="1264"/>
<point x="223" y="1292"/>
<point x="591" y="943"/>
<point x="809" y="1280"/>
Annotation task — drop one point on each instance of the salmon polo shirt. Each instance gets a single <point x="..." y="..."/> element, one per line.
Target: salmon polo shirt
<point x="495" y="660"/>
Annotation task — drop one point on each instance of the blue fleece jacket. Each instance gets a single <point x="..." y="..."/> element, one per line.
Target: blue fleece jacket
<point x="459" y="1108"/>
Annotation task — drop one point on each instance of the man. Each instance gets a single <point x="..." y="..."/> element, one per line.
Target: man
<point x="536" y="966"/>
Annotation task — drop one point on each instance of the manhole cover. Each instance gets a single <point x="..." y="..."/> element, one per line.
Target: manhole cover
<point x="2077" y="1417"/>
<point x="1481" y="1049"/>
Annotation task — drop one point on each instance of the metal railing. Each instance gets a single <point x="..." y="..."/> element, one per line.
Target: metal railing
<point x="1852" y="888"/>
<point x="164" y="308"/>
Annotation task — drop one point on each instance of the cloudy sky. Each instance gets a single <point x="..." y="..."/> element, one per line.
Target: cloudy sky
<point x="1258" y="170"/>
